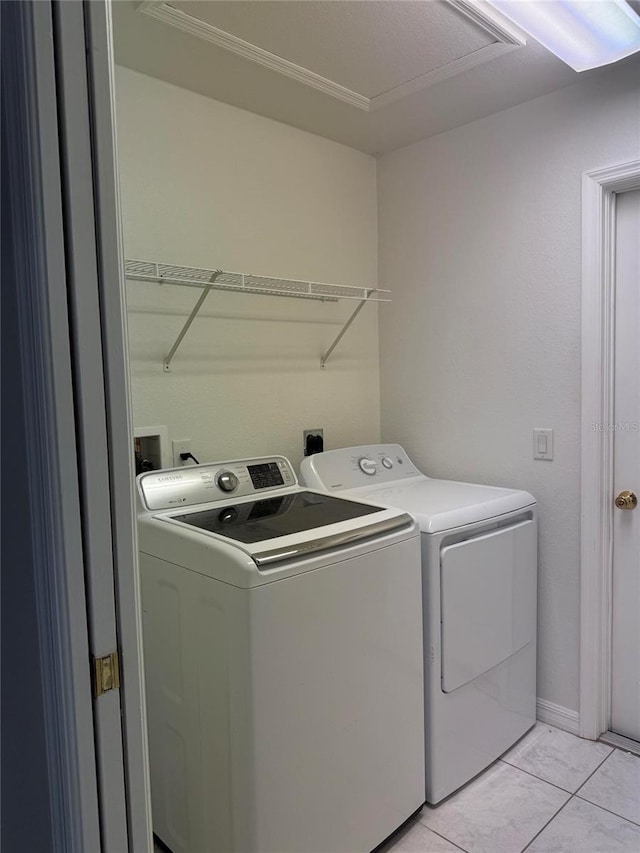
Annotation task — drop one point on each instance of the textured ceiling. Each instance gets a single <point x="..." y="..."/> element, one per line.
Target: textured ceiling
<point x="367" y="46"/>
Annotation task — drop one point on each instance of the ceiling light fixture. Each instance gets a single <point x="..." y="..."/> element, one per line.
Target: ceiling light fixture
<point x="583" y="33"/>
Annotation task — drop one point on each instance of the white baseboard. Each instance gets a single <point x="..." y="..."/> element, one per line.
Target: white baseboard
<point x="556" y="715"/>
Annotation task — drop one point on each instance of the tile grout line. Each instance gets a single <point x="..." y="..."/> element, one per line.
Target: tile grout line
<point x="594" y="772"/>
<point x="539" y="778"/>
<point x="551" y="819"/>
<point x="571" y="797"/>
<point x="513" y="767"/>
<point x="444" y="837"/>
<point x="439" y="834"/>
<point x="604" y="809"/>
<point x="591" y="803"/>
<point x="559" y="787"/>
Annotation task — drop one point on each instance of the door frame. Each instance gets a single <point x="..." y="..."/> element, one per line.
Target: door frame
<point x="599" y="190"/>
<point x="112" y="295"/>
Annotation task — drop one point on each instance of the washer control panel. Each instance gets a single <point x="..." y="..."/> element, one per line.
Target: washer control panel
<point x="351" y="467"/>
<point x="196" y="484"/>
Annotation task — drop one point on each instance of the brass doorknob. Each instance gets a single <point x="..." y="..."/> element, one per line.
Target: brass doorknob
<point x="626" y="500"/>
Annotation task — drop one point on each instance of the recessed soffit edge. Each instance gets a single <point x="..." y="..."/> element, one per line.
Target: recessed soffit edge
<point x="507" y="38"/>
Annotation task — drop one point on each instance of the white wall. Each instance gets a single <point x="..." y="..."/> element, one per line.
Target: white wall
<point x="206" y="184"/>
<point x="479" y="236"/>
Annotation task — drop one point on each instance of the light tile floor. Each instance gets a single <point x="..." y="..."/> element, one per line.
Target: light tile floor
<point x="552" y="793"/>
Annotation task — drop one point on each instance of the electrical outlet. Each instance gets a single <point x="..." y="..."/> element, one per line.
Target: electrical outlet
<point x="180" y="445"/>
<point x="312" y="441"/>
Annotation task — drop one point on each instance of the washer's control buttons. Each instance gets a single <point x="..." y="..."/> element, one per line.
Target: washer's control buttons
<point x="387" y="462"/>
<point x="367" y="466"/>
<point x="227" y="481"/>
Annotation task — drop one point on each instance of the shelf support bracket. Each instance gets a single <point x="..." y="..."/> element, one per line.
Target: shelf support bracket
<point x="166" y="364"/>
<point x="358" y="309"/>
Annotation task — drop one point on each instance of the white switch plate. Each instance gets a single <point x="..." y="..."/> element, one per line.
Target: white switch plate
<point x="543" y="444"/>
<point x="180" y="445"/>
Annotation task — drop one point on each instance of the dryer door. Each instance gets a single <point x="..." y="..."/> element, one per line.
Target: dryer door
<point x="488" y="589"/>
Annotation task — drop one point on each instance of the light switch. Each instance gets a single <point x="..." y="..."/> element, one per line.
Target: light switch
<point x="543" y="444"/>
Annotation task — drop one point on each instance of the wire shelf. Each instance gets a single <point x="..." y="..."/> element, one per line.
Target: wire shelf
<point x="249" y="283"/>
<point x="207" y="280"/>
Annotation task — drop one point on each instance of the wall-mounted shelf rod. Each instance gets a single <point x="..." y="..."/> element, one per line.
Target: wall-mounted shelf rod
<point x="339" y="337"/>
<point x="166" y="363"/>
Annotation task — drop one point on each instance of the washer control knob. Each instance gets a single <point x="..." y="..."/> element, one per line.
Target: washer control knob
<point x="227" y="481"/>
<point x="367" y="466"/>
<point x="228" y="515"/>
<point x="387" y="462"/>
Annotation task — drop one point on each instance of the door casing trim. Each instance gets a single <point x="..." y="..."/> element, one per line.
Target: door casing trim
<point x="599" y="190"/>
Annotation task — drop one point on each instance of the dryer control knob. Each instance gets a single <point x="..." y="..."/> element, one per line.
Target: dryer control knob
<point x="367" y="466"/>
<point x="387" y="462"/>
<point x="227" y="481"/>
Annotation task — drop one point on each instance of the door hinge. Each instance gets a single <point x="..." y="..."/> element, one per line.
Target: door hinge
<point x="106" y="674"/>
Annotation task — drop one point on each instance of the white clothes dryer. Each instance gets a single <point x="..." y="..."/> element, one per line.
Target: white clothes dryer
<point x="283" y="658"/>
<point x="479" y="563"/>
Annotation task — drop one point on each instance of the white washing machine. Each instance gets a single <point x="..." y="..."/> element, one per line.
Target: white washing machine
<point x="283" y="657"/>
<point x="479" y="561"/>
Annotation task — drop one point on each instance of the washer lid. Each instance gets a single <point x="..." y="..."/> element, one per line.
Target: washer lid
<point x="439" y="505"/>
<point x="275" y="516"/>
<point x="243" y="559"/>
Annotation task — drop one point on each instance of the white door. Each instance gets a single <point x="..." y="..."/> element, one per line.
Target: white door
<point x="625" y="697"/>
<point x="75" y="486"/>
